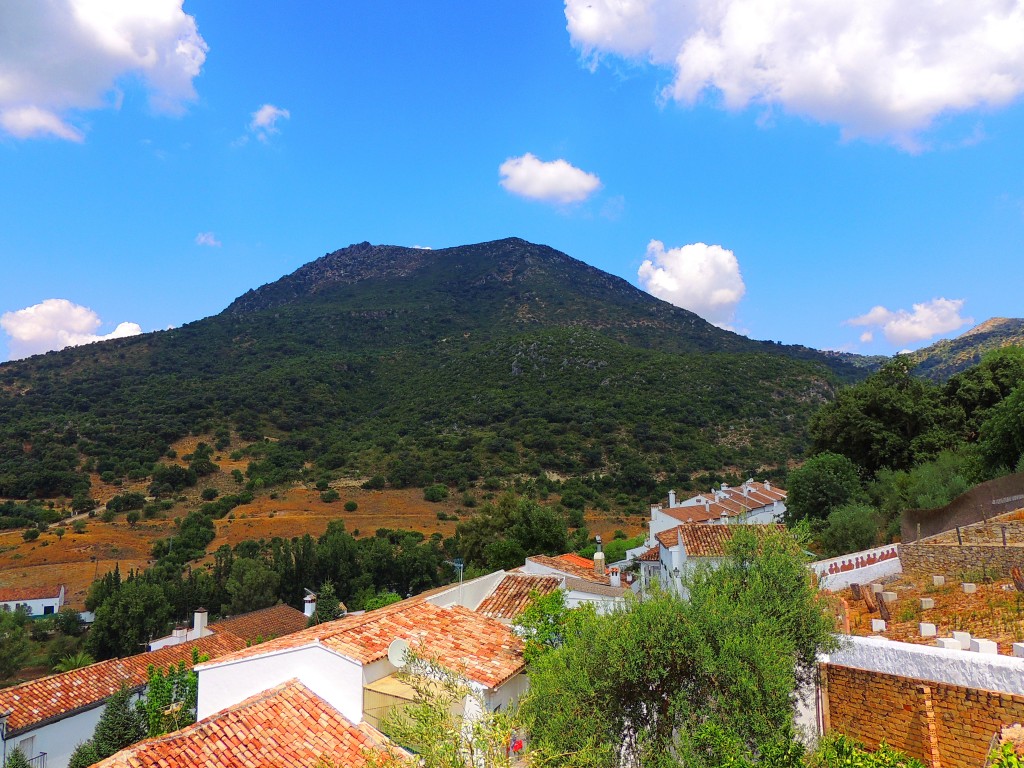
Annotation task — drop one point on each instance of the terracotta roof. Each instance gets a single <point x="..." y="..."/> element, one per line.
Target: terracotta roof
<point x="651" y="555"/>
<point x="513" y="593"/>
<point x="13" y="594"/>
<point x="52" y="697"/>
<point x="287" y="725"/>
<point x="264" y="624"/>
<point x="709" y="540"/>
<point x="570" y="567"/>
<point x="483" y="649"/>
<point x="571" y="558"/>
<point x="730" y="500"/>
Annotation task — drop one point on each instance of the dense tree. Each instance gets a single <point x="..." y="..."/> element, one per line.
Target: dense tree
<point x="823" y="483"/>
<point x="121" y="724"/>
<point x="170" y="700"/>
<point x="328" y="607"/>
<point x="15" y="647"/>
<point x="648" y="684"/>
<point x="890" y="420"/>
<point x="850" y="528"/>
<point x="128" y="619"/>
<point x="1002" y="433"/>
<point x="17" y="759"/>
<point x="252" y="585"/>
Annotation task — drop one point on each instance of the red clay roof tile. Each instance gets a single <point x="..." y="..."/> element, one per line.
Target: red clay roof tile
<point x="287" y="725"/>
<point x="513" y="594"/>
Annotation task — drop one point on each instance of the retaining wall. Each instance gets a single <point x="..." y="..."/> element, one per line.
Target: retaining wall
<point x="950" y="559"/>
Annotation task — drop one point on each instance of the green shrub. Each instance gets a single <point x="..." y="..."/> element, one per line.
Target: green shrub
<point x="31" y="534"/>
<point x="329" y="495"/>
<point x="435" y="493"/>
<point x="351" y="506"/>
<point x="209" y="494"/>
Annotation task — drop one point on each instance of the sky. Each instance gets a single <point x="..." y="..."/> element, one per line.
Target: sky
<point x="841" y="175"/>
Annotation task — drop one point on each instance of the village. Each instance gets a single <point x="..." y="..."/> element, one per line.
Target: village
<point x="929" y="659"/>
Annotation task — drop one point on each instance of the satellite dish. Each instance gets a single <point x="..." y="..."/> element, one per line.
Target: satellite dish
<point x="398" y="652"/>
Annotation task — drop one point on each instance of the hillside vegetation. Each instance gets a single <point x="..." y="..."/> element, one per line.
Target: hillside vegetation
<point x="455" y="367"/>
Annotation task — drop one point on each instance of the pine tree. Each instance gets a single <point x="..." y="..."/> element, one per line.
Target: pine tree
<point x="17" y="759"/>
<point x="120" y="725"/>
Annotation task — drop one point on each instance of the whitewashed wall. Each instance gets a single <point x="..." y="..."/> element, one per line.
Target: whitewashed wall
<point x="331" y="676"/>
<point x="862" y="573"/>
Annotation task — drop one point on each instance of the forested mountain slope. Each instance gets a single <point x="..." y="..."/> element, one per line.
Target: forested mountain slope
<point x="422" y="366"/>
<point x="947" y="357"/>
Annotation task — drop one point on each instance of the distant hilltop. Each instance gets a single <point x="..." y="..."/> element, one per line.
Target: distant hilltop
<point x="950" y="356"/>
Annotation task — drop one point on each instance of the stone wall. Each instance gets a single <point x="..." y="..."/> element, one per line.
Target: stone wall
<point x="942" y="724"/>
<point x="984" y="533"/>
<point x="1004" y="494"/>
<point x="951" y="560"/>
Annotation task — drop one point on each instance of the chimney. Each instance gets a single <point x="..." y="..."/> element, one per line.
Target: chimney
<point x="671" y="499"/>
<point x="309" y="605"/>
<point x="725" y="518"/>
<point x="746" y="491"/>
<point x="615" y="578"/>
<point x="597" y="540"/>
<point x="199" y="623"/>
<point x="599" y="563"/>
<point x="767" y="485"/>
<point x="180" y="635"/>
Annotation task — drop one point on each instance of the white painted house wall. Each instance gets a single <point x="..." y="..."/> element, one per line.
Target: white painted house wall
<point x="469" y="594"/>
<point x="334" y="678"/>
<point x="36" y="607"/>
<point x="58" y="739"/>
<point x="859" y="574"/>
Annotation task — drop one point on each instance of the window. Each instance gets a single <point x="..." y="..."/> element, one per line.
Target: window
<point x="47" y="610"/>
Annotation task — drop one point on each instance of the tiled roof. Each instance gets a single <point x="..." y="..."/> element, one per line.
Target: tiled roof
<point x="264" y="624"/>
<point x="569" y="567"/>
<point x="708" y="540"/>
<point x="483" y="649"/>
<point x="571" y="558"/>
<point x="732" y="501"/>
<point x="287" y="725"/>
<point x="582" y="585"/>
<point x="57" y="695"/>
<point x="12" y="594"/>
<point x="651" y="555"/>
<point x="513" y="593"/>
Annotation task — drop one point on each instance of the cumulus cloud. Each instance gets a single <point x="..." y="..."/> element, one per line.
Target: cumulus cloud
<point x="264" y="121"/>
<point x="704" y="279"/>
<point x="55" y="324"/>
<point x="61" y="56"/>
<point x="208" y="239"/>
<point x="927" y="320"/>
<point x="878" y="68"/>
<point x="556" y="181"/>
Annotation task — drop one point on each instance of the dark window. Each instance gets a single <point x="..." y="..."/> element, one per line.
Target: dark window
<point x="47" y="609"/>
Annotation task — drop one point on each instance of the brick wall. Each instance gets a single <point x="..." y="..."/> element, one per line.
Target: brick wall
<point x="946" y="726"/>
<point x="924" y="559"/>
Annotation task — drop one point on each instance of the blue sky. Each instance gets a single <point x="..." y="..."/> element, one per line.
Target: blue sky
<point x="779" y="172"/>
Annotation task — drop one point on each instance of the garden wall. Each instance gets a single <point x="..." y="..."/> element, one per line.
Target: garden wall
<point x="858" y="567"/>
<point x="949" y="559"/>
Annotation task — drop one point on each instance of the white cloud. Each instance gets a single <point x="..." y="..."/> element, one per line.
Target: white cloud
<point x="208" y="239"/>
<point x="61" y="56"/>
<point x="878" y="68"/>
<point x="556" y="181"/>
<point x="55" y="324"/>
<point x="702" y="278"/>
<point x="928" y="319"/>
<point x="264" y="121"/>
<point x="867" y="337"/>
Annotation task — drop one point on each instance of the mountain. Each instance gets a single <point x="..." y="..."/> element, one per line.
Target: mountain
<point x="949" y="356"/>
<point x="459" y="366"/>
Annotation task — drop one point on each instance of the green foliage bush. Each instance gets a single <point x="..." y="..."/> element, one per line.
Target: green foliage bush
<point x="435" y="493"/>
<point x="351" y="506"/>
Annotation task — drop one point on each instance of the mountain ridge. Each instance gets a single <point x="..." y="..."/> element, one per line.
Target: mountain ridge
<point x="946" y="357"/>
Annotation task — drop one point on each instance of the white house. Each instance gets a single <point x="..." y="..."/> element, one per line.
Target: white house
<point x="36" y="601"/>
<point x="681" y="549"/>
<point x="752" y="503"/>
<point x="347" y="662"/>
<point x="584" y="581"/>
<point x="48" y="717"/>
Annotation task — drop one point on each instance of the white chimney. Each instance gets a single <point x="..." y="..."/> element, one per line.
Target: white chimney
<point x="615" y="578"/>
<point x="599" y="563"/>
<point x="199" y="623"/>
<point x="725" y="518"/>
<point x="767" y="485"/>
<point x="180" y="635"/>
<point x="309" y="605"/>
<point x="671" y="499"/>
